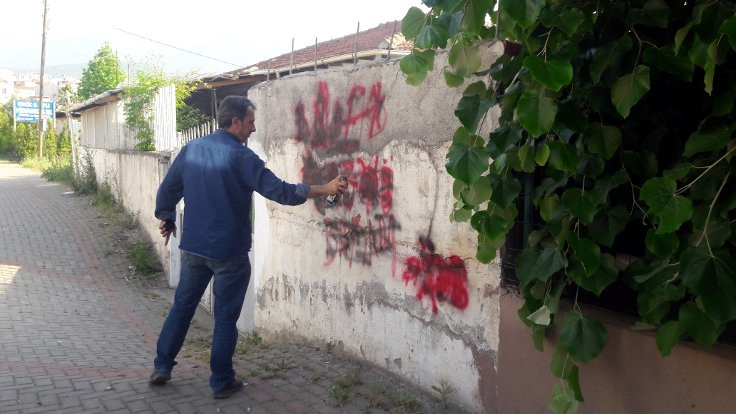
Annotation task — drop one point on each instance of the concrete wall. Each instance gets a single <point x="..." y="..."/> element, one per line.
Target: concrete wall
<point x="628" y="377"/>
<point x="133" y="177"/>
<point x="338" y="274"/>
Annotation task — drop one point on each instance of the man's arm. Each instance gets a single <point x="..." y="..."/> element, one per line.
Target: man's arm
<point x="265" y="182"/>
<point x="169" y="193"/>
<point x="336" y="186"/>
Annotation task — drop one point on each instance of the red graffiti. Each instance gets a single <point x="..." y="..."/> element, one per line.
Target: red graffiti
<point x="441" y="279"/>
<point x="332" y="132"/>
<point x="352" y="241"/>
<point x="336" y="131"/>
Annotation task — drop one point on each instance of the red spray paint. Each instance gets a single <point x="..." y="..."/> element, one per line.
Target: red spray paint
<point x="440" y="279"/>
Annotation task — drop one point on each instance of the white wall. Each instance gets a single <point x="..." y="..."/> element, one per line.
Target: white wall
<point x="324" y="282"/>
<point x="133" y="177"/>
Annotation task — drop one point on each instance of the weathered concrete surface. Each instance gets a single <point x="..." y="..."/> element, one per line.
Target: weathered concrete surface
<point x="628" y="377"/>
<point x="335" y="274"/>
<point x="77" y="336"/>
<point x="133" y="177"/>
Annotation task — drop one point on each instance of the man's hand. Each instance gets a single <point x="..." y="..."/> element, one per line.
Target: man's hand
<point x="167" y="228"/>
<point x="335" y="186"/>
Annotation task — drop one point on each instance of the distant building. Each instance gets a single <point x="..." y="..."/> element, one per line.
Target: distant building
<point x="26" y="85"/>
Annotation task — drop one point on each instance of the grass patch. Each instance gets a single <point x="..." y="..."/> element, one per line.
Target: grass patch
<point x="343" y="388"/>
<point x="383" y="399"/>
<point x="36" y="163"/>
<point x="60" y="170"/>
<point x="142" y="259"/>
<point x="103" y="198"/>
<point x="250" y="341"/>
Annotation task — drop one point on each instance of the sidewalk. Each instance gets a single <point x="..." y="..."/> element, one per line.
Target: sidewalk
<point x="78" y="336"/>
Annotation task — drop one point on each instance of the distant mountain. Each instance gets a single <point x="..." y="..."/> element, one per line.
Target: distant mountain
<point x="73" y="69"/>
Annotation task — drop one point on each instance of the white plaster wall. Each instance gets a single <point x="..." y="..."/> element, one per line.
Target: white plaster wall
<point x="367" y="310"/>
<point x="134" y="177"/>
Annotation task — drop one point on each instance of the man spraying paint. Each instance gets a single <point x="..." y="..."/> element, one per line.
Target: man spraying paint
<point x="217" y="175"/>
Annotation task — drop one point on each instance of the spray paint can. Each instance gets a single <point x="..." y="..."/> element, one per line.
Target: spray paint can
<point x="332" y="199"/>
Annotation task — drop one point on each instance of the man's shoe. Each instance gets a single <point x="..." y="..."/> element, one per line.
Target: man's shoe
<point x="159" y="378"/>
<point x="230" y="388"/>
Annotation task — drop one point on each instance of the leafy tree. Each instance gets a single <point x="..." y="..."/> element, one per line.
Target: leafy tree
<point x="140" y="96"/>
<point x="624" y="111"/>
<point x="101" y="74"/>
<point x="66" y="97"/>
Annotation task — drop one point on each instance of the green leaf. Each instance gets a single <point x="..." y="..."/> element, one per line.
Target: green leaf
<point x="551" y="210"/>
<point x="665" y="59"/>
<point x="461" y="215"/>
<point x="603" y="186"/>
<point x="561" y="363"/>
<point x="502" y="139"/>
<point x="662" y="245"/>
<point x="712" y="138"/>
<point x="471" y="109"/>
<point x="596" y="283"/>
<point x="603" y="140"/>
<point x="608" y="56"/>
<point x="579" y="205"/>
<point x="487" y="247"/>
<point x="587" y="251"/>
<point x="479" y="192"/>
<point x="563" y="401"/>
<point x="570" y="20"/>
<point x="412" y="23"/>
<point x="542" y="155"/>
<point x="554" y="74"/>
<point x="541" y="316"/>
<point x="536" y="113"/>
<point x="655" y="304"/>
<point x="491" y="225"/>
<point x="523" y="12"/>
<point x="698" y="325"/>
<point x="606" y="227"/>
<point x="526" y="158"/>
<point x="681" y="35"/>
<point x="532" y="264"/>
<point x="714" y="279"/>
<point x="679" y="172"/>
<point x="723" y="103"/>
<point x="475" y="14"/>
<point x="667" y="337"/>
<point x="464" y="58"/>
<point x="504" y="190"/>
<point x="728" y="27"/>
<point x="629" y="89"/>
<point x="466" y="163"/>
<point x="583" y="337"/>
<point x="563" y="157"/>
<point x="672" y="210"/>
<point x="573" y="380"/>
<point x="416" y="65"/>
<point x="452" y="80"/>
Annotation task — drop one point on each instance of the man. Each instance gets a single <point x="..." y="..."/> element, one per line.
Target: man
<point x="216" y="175"/>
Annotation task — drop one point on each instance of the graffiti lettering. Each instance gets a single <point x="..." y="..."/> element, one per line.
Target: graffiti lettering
<point x="354" y="241"/>
<point x="335" y="131"/>
<point x="440" y="279"/>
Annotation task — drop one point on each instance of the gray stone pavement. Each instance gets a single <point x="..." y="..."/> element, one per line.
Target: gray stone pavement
<point x="78" y="331"/>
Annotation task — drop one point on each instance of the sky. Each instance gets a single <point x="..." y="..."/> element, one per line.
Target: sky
<point x="238" y="32"/>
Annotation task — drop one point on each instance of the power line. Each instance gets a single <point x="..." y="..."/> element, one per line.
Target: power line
<point x="177" y="48"/>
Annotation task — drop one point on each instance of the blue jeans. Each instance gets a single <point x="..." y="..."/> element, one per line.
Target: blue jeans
<point x="231" y="282"/>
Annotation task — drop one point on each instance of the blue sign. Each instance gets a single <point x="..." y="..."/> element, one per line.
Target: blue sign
<point x="27" y="110"/>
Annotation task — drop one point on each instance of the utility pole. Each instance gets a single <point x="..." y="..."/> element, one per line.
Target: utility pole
<point x="40" y="89"/>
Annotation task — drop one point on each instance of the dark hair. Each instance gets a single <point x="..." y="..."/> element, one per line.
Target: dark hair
<point x="233" y="106"/>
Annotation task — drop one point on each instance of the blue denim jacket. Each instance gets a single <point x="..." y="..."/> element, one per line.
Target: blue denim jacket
<point x="217" y="175"/>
